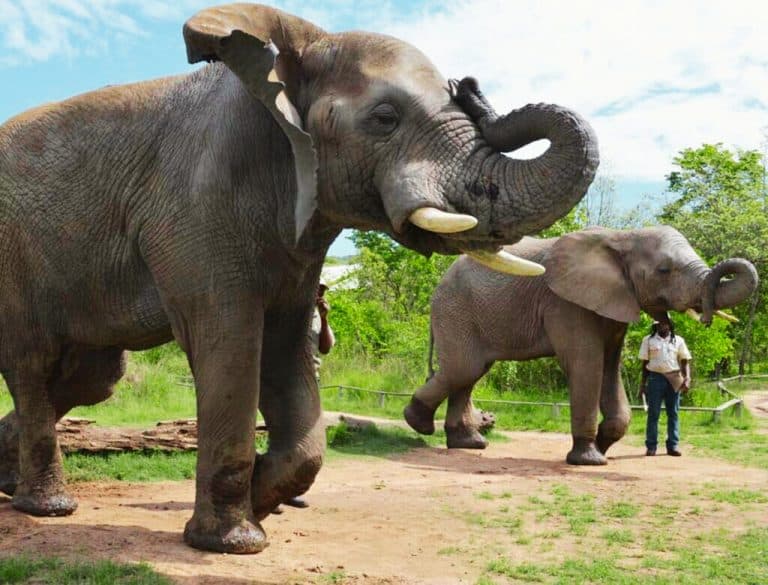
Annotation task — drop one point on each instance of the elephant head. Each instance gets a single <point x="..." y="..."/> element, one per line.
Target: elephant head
<point x="618" y="273"/>
<point x="370" y="119"/>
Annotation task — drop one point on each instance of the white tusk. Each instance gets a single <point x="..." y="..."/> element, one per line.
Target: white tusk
<point x="727" y="317"/>
<point x="695" y="315"/>
<point x="442" y="222"/>
<point x="502" y="261"/>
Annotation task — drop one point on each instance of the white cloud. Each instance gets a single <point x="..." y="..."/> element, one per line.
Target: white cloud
<point x="676" y="73"/>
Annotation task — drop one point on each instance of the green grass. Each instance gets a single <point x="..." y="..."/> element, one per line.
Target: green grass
<point x="130" y="466"/>
<point x="718" y="558"/>
<point x="58" y="572"/>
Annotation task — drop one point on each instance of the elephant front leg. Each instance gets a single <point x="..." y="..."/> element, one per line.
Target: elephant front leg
<point x="223" y="346"/>
<point x="463" y="422"/>
<point x="40" y="490"/>
<point x="290" y="404"/>
<point x="584" y="386"/>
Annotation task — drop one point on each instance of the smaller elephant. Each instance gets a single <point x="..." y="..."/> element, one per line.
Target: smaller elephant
<point x="596" y="282"/>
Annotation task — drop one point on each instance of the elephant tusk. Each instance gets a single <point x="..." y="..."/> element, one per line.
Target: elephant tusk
<point x="442" y="222"/>
<point x="505" y="262"/>
<point x="727" y="317"/>
<point x="697" y="316"/>
<point x="693" y="314"/>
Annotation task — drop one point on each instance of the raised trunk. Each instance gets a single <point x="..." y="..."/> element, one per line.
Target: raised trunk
<point x="720" y="295"/>
<point x="532" y="194"/>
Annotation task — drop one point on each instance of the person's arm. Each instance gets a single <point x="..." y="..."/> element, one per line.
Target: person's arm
<point x="327" y="339"/>
<point x="685" y="369"/>
<point x="644" y="377"/>
<point x="684" y="358"/>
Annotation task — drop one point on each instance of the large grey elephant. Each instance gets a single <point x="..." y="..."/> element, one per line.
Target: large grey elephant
<point x="200" y="208"/>
<point x="597" y="281"/>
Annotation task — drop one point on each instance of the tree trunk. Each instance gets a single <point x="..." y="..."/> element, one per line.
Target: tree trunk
<point x="79" y="434"/>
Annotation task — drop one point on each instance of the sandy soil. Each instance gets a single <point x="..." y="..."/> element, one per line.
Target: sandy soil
<point x="397" y="520"/>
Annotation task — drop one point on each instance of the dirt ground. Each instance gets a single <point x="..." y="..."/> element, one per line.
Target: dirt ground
<point x="395" y="520"/>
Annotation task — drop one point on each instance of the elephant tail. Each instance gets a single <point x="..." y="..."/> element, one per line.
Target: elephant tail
<point x="430" y="365"/>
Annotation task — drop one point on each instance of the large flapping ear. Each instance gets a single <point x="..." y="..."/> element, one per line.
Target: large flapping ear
<point x="585" y="269"/>
<point x="263" y="47"/>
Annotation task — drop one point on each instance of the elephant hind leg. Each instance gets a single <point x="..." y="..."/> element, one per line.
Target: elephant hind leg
<point x="40" y="490"/>
<point x="79" y="378"/>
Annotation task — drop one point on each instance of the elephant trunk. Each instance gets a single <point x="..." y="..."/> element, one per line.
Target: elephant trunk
<point x="719" y="295"/>
<point x="534" y="193"/>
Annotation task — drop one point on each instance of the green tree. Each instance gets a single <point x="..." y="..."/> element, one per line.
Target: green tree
<point x="721" y="205"/>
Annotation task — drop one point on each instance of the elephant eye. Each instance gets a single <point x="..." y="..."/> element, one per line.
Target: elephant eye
<point x="382" y="119"/>
<point x="664" y="270"/>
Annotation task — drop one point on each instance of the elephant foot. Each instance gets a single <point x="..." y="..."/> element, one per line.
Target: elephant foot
<point x="603" y="442"/>
<point x="584" y="452"/>
<point x="484" y="420"/>
<point x="275" y="482"/>
<point x="420" y="417"/>
<point x="54" y="503"/>
<point x="464" y="437"/>
<point x="242" y="538"/>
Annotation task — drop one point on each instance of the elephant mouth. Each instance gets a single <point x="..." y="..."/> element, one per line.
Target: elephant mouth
<point x="427" y="240"/>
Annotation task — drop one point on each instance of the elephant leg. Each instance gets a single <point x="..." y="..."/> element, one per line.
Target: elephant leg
<point x="222" y="335"/>
<point x="614" y="405"/>
<point x="462" y="422"/>
<point x="40" y="490"/>
<point x="290" y="404"/>
<point x="420" y="411"/>
<point x="578" y="341"/>
<point x="83" y="377"/>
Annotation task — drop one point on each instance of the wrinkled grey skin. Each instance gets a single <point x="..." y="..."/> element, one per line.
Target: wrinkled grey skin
<point x="597" y="281"/>
<point x="188" y="208"/>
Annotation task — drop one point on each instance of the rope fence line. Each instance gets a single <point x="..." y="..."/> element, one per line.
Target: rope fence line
<point x="735" y="402"/>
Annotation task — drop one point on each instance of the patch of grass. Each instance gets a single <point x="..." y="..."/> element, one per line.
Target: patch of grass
<point x="618" y="536"/>
<point x="58" y="572"/>
<point x="738" y="497"/>
<point x="622" y="510"/>
<point x="376" y="441"/>
<point x="726" y="559"/>
<point x="131" y="466"/>
<point x="485" y="496"/>
<point x="334" y="577"/>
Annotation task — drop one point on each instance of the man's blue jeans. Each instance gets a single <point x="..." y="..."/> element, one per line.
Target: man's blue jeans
<point x="660" y="390"/>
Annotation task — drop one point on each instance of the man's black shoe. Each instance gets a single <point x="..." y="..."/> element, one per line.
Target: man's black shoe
<point x="650" y="452"/>
<point x="674" y="452"/>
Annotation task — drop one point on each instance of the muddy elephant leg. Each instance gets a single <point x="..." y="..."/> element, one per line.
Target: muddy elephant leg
<point x="614" y="405"/>
<point x="290" y="404"/>
<point x="462" y="422"/>
<point x="83" y="377"/>
<point x="40" y="490"/>
<point x="221" y="334"/>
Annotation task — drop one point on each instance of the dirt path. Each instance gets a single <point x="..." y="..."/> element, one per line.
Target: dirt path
<point x="406" y="519"/>
<point x="757" y="403"/>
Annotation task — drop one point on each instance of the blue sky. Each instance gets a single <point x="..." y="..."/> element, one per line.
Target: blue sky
<point x="652" y="77"/>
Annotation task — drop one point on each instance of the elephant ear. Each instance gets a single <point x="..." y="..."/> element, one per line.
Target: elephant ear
<point x="263" y="47"/>
<point x="586" y="268"/>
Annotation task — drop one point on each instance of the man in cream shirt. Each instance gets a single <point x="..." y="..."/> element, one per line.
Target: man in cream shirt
<point x="666" y="373"/>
